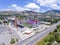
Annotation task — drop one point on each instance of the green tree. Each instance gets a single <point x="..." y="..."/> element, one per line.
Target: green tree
<point x="52" y="39"/>
<point x="58" y="26"/>
<point x="55" y="30"/>
<point x="12" y="41"/>
<point x="49" y="43"/>
<point x="57" y="37"/>
<point x="17" y="39"/>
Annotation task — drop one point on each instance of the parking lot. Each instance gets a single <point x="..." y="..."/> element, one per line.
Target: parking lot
<point x="6" y="34"/>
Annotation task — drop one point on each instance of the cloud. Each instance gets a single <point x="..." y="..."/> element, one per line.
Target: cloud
<point x="53" y="4"/>
<point x="46" y="2"/>
<point x="16" y="7"/>
<point x="32" y="6"/>
<point x="28" y="7"/>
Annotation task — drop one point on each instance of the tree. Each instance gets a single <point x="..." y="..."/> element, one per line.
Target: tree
<point x="58" y="26"/>
<point x="57" y="37"/>
<point x="55" y="30"/>
<point x="12" y="41"/>
<point x="46" y="40"/>
<point x="49" y="43"/>
<point x="17" y="39"/>
<point x="52" y="39"/>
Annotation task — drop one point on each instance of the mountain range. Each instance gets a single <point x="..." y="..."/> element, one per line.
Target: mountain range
<point x="51" y="13"/>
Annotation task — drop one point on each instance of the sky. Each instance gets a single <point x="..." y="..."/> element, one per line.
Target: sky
<point x="30" y="5"/>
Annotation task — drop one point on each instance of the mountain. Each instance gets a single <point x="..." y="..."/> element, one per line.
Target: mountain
<point x="53" y="13"/>
<point x="49" y="13"/>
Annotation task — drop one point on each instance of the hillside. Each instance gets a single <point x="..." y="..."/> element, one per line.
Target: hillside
<point x="51" y="13"/>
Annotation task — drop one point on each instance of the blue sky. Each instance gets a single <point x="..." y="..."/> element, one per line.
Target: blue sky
<point x="34" y="5"/>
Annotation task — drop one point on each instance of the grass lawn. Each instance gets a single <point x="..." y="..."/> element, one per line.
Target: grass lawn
<point x="28" y="25"/>
<point x="45" y="40"/>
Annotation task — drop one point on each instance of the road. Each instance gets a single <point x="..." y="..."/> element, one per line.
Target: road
<point x="36" y="37"/>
